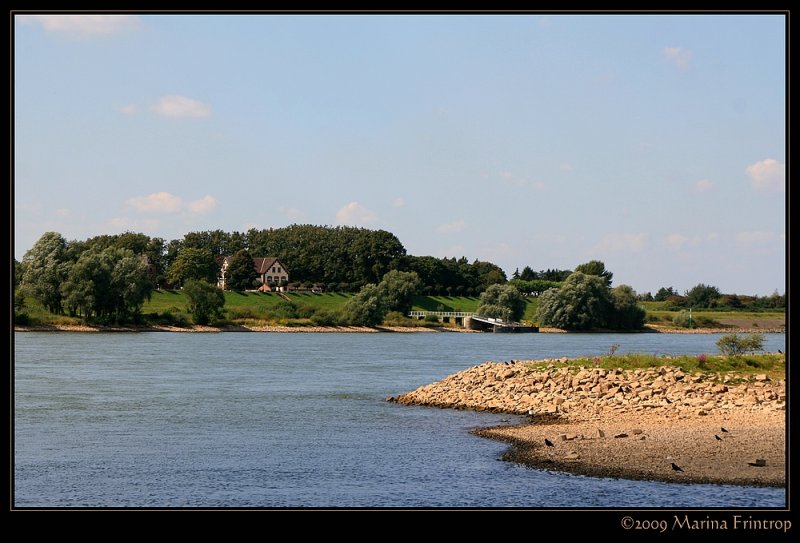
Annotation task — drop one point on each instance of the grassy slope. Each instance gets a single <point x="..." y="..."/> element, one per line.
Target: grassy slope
<point x="255" y="304"/>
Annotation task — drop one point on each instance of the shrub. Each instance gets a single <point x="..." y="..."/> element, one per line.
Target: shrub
<point x="395" y="318"/>
<point x="735" y="345"/>
<point x="326" y="317"/>
<point x="682" y="319"/>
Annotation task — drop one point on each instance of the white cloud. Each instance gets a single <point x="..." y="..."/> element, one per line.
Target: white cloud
<point x="399" y="202"/>
<point x="168" y="204"/>
<point x="354" y="213"/>
<point x="755" y="236"/>
<point x="676" y="241"/>
<point x="678" y="56"/>
<point x="614" y="243"/>
<point x="452" y="227"/>
<point x="767" y="174"/>
<point x="159" y="202"/>
<point x="203" y="205"/>
<point x="565" y="167"/>
<point x="293" y="214"/>
<point x="84" y="25"/>
<point x="129" y="109"/>
<point x="703" y="185"/>
<point x="180" y="106"/>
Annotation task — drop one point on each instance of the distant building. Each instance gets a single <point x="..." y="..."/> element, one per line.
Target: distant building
<point x="271" y="273"/>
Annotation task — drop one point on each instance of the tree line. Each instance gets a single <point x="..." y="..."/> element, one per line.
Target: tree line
<point x="111" y="276"/>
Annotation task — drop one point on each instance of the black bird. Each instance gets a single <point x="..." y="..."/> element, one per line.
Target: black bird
<point x="548" y="442"/>
<point x="724" y="430"/>
<point x="718" y="438"/>
<point x="676" y="467"/>
<point x="780" y="352"/>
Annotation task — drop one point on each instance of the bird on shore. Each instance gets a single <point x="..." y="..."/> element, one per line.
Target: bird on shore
<point x="676" y="467"/>
<point x="780" y="352"/>
<point x="718" y="438"/>
<point x="548" y="442"/>
<point x="724" y="429"/>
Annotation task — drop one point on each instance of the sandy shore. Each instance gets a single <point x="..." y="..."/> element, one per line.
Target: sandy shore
<point x="646" y="447"/>
<point x="631" y="424"/>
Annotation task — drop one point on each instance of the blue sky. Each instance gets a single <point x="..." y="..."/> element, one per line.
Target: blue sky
<point x="655" y="143"/>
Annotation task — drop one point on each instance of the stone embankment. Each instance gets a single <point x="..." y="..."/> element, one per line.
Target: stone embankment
<point x="660" y="424"/>
<point x="581" y="394"/>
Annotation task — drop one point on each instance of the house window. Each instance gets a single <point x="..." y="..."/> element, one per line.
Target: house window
<point x="269" y="279"/>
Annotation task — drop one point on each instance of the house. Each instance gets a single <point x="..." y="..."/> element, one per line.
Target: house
<point x="271" y="274"/>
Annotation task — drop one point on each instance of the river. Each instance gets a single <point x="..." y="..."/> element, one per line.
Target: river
<point x="297" y="420"/>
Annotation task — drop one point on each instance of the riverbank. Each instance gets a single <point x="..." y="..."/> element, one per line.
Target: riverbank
<point x="632" y="424"/>
<point x="352" y="329"/>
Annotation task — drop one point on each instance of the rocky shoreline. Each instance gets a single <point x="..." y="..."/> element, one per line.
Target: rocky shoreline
<point x="349" y="329"/>
<point x="630" y="424"/>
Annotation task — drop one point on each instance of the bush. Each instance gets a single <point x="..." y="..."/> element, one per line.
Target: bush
<point x="21" y="318"/>
<point x="283" y="309"/>
<point x="682" y="319"/>
<point x="326" y="317"/>
<point x="395" y="318"/>
<point x="735" y="345"/>
<point x="205" y="302"/>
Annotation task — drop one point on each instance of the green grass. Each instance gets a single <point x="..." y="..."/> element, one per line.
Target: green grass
<point x="772" y="364"/>
<point x="255" y="306"/>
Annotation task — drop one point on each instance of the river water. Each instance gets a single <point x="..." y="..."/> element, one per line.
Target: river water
<point x="297" y="420"/>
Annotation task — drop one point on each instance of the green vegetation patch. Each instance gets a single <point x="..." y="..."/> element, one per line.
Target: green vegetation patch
<point x="772" y="364"/>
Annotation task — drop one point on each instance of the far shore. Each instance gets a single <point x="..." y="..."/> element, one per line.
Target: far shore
<point x="362" y="329"/>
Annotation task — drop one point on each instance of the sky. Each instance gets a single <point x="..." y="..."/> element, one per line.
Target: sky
<point x="654" y="143"/>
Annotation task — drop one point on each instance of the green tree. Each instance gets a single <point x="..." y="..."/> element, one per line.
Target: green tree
<point x="205" y="302"/>
<point x="626" y="312"/>
<point x="398" y="288"/>
<point x="581" y="303"/>
<point x="664" y="293"/>
<point x="112" y="282"/>
<point x="735" y="345"/>
<point x="528" y="274"/>
<point x="241" y="273"/>
<point x="131" y="284"/>
<point x="703" y="296"/>
<point x="46" y="266"/>
<point x="501" y="302"/>
<point x="596" y="267"/>
<point x="366" y="308"/>
<point x="193" y="264"/>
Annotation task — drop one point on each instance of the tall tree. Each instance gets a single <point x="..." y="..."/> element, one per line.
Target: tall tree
<point x="398" y="289"/>
<point x="626" y="312"/>
<point x="241" y="273"/>
<point x="205" y="302"/>
<point x="503" y="302"/>
<point x="191" y="263"/>
<point x="582" y="302"/>
<point x="703" y="296"/>
<point x="46" y="266"/>
<point x="367" y="308"/>
<point x="596" y="267"/>
<point x="528" y="274"/>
